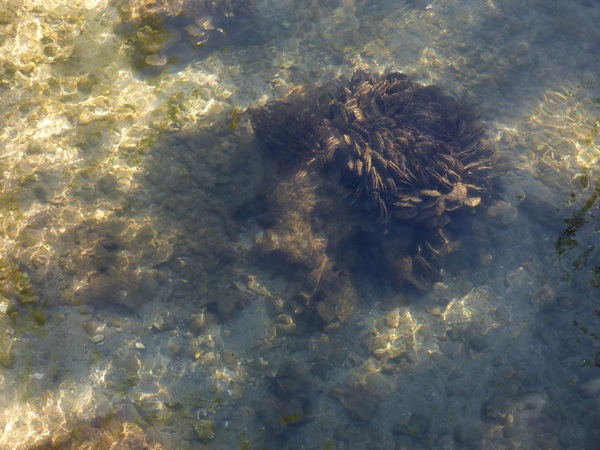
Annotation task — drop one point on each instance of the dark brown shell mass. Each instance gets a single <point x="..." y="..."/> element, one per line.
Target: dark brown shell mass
<point x="403" y="150"/>
<point x="407" y="157"/>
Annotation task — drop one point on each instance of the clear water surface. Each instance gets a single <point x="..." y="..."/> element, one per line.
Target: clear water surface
<point x="135" y="309"/>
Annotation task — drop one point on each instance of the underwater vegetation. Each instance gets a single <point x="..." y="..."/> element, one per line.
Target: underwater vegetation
<point x="393" y="167"/>
<point x="576" y="243"/>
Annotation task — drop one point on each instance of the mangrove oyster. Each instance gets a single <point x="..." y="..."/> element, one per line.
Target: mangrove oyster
<point x="407" y="159"/>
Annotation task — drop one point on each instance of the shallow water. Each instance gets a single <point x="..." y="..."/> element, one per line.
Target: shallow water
<point x="134" y="308"/>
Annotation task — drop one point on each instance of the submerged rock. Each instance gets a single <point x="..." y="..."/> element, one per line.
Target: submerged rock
<point x="161" y="32"/>
<point x="205" y="429"/>
<point x="290" y="404"/>
<point x="361" y="394"/>
<point x="116" y="262"/>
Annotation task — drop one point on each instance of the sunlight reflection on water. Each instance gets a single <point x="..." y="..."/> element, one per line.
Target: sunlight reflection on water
<point x="132" y="306"/>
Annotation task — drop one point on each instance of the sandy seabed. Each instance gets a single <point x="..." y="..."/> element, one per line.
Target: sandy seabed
<point x="133" y="311"/>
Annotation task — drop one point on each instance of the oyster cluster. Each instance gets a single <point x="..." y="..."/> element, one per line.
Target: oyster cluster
<point x="403" y="150"/>
<point x="407" y="157"/>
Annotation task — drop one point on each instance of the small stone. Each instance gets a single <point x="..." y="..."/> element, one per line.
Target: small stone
<point x="518" y="279"/>
<point x="86" y="83"/>
<point x="569" y="301"/>
<point x="361" y="394"/>
<point x="205" y="429"/>
<point x="156" y="60"/>
<point x="468" y="436"/>
<point x="393" y="319"/>
<point x="540" y="210"/>
<point x="108" y="185"/>
<point x="503" y="213"/>
<point x="495" y="409"/>
<point x="61" y="438"/>
<point x="473" y="334"/>
<point x="285" y="323"/>
<point x="96" y="339"/>
<point x="164" y="253"/>
<point x="140" y="345"/>
<point x="201" y="322"/>
<point x="173" y="348"/>
<point x="7" y="357"/>
<point x="39" y="316"/>
<point x="543" y="298"/>
<point x="85" y="309"/>
<point x="35" y="148"/>
<point x="417" y="426"/>
<point x="291" y="382"/>
<point x="592" y="387"/>
<point x="279" y="414"/>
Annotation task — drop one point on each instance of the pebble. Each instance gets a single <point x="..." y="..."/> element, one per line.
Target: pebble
<point x="592" y="387"/>
<point x="473" y="334"/>
<point x="360" y="394"/>
<point x="96" y="339"/>
<point x="543" y="298"/>
<point x="417" y="426"/>
<point x="205" y="430"/>
<point x="140" y="345"/>
<point x="540" y="210"/>
<point x="503" y="213"/>
<point x="173" y="348"/>
<point x="468" y="436"/>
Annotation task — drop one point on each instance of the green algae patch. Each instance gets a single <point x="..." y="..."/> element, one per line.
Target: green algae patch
<point x="205" y="430"/>
<point x="39" y="316"/>
<point x="147" y="39"/>
<point x="234" y="119"/>
<point x="7" y="357"/>
<point x="589" y="139"/>
<point x="14" y="282"/>
<point x="575" y="243"/>
<point x="292" y="419"/>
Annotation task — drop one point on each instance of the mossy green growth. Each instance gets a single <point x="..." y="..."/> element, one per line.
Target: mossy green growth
<point x="594" y="280"/>
<point x="14" y="282"/>
<point x="576" y="222"/>
<point x="10" y="203"/>
<point x="581" y="327"/>
<point x="96" y="356"/>
<point x="292" y="419"/>
<point x="126" y="382"/>
<point x="147" y="38"/>
<point x="39" y="316"/>
<point x="328" y="445"/>
<point x="584" y="179"/>
<point x="7" y="357"/>
<point x="249" y="444"/>
<point x="589" y="139"/>
<point x="205" y="430"/>
<point x="581" y="224"/>
<point x="234" y="119"/>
